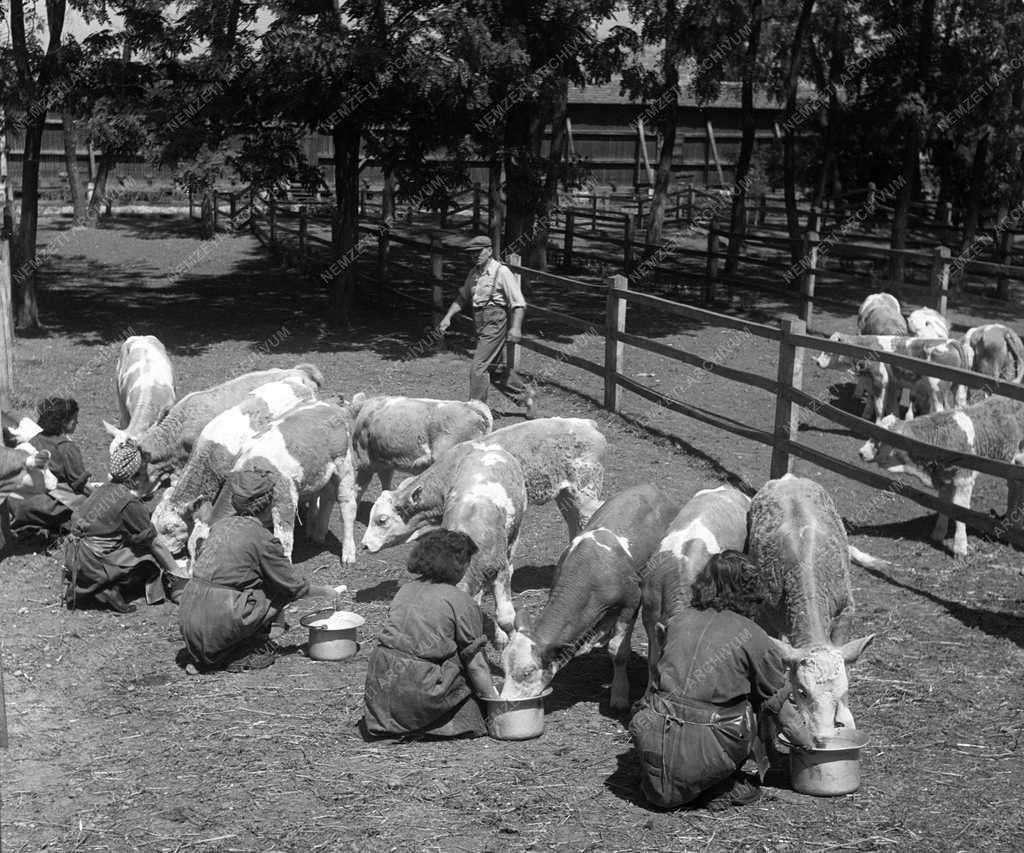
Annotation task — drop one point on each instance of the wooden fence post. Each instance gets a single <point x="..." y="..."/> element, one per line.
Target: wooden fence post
<point x="191" y="204"/>
<point x="303" y="225"/>
<point x="476" y="207"/>
<point x="614" y="323"/>
<point x="233" y="208"/>
<point x="272" y="218"/>
<point x="6" y="306"/>
<point x="679" y="207"/>
<point x="689" y="204"/>
<point x="762" y="209"/>
<point x="813" y="218"/>
<point x="362" y="201"/>
<point x="382" y="257"/>
<point x="712" y="265"/>
<point x="252" y="208"/>
<point x="215" y="211"/>
<point x="1004" y="251"/>
<point x="437" y="295"/>
<point x="335" y="231"/>
<point x="627" y="245"/>
<point x="807" y="280"/>
<point x="593" y="212"/>
<point x="939" y="278"/>
<point x="790" y="375"/>
<point x="570" y="223"/>
<point x="513" y="350"/>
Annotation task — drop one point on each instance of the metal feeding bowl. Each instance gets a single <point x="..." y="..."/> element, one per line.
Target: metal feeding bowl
<point x="332" y="634"/>
<point x="516" y="719"/>
<point x="829" y="770"/>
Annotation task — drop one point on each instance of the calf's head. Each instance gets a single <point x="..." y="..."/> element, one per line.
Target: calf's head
<point x="893" y="459"/>
<point x="818" y="684"/>
<point x="526" y="673"/>
<point x="397" y="517"/>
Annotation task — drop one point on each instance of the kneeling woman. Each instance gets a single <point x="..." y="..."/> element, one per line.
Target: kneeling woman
<point x="695" y="727"/>
<point x="241" y="581"/>
<point x="112" y="548"/>
<point x="429" y="666"/>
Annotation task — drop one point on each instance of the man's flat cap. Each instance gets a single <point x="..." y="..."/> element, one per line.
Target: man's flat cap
<point x="478" y="243"/>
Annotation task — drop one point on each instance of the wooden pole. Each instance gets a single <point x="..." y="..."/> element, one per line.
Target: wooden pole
<point x="790" y="375"/>
<point x="303" y="225"/>
<point x="233" y="208"/>
<point x="476" y="207"/>
<point x="382" y="258"/>
<point x="6" y="306"/>
<point x="513" y="350"/>
<point x="437" y="295"/>
<point x="215" y="211"/>
<point x="615" y="323"/>
<point x="939" y="278"/>
<point x="762" y="209"/>
<point x="593" y="212"/>
<point x="191" y="204"/>
<point x="714" y="152"/>
<point x="712" y="264"/>
<point x="570" y="224"/>
<point x="627" y="245"/>
<point x="807" y="280"/>
<point x="689" y="204"/>
<point x="272" y="218"/>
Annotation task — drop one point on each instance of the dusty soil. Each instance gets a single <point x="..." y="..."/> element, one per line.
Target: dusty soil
<point x="113" y="747"/>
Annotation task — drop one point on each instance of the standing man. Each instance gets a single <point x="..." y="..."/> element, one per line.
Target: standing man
<point x="494" y="293"/>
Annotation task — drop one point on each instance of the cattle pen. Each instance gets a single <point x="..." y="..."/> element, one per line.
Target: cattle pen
<point x="790" y="341"/>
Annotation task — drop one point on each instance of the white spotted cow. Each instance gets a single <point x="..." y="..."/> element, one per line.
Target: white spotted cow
<point x="476" y="488"/>
<point x="595" y="596"/>
<point x="408" y="434"/>
<point x="712" y="521"/>
<point x="883" y="382"/>
<point x="166" y="445"/>
<point x="993" y="428"/>
<point x="996" y="351"/>
<point x="880" y="314"/>
<point x="145" y="388"/>
<point x="216" y="451"/>
<point x="798" y="542"/>
<point x="308" y="454"/>
<point x="927" y="323"/>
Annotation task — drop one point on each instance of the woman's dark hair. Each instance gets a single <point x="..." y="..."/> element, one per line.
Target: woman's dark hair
<point x="55" y="413"/>
<point x="441" y="556"/>
<point x="729" y="582"/>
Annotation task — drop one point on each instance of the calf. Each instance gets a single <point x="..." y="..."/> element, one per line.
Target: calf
<point x="993" y="428"/>
<point x="408" y="434"/>
<point x="712" y="521"/>
<point x="798" y="542"/>
<point x="166" y="446"/>
<point x="880" y="314"/>
<point x="216" y="451"/>
<point x="595" y="596"/>
<point x="476" y="488"/>
<point x="308" y="454"/>
<point x="145" y="388"/>
<point x="996" y="351"/>
<point x="562" y="459"/>
<point x="927" y="323"/>
<point x="882" y="382"/>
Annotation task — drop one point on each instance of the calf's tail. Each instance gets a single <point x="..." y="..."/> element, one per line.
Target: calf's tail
<point x="861" y="558"/>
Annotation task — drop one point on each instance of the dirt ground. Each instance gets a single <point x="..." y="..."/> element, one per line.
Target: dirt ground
<point x="114" y="748"/>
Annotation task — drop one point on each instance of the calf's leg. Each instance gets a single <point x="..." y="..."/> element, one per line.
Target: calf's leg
<point x="619" y="647"/>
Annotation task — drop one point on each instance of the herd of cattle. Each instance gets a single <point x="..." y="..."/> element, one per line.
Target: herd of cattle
<point x="938" y="412"/>
<point x="636" y="552"/>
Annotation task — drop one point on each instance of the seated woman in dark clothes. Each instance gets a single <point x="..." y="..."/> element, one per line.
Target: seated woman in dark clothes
<point x="241" y="581"/>
<point x="695" y="726"/>
<point x="429" y="666"/>
<point x="50" y="512"/>
<point x="112" y="548"/>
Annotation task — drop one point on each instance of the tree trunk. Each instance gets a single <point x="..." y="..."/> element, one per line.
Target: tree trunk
<point x="520" y="181"/>
<point x="979" y="169"/>
<point x="495" y="206"/>
<point x="26" y="307"/>
<point x="99" y="187"/>
<point x="667" y="120"/>
<point x="738" y="224"/>
<point x="78" y="200"/>
<point x="347" y="136"/>
<point x="789" y="137"/>
<point x="560" y="107"/>
<point x="387" y="198"/>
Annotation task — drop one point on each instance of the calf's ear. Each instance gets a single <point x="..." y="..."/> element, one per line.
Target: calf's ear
<point x="110" y="428"/>
<point x="852" y="650"/>
<point x="788" y="654"/>
<point x="415" y="496"/>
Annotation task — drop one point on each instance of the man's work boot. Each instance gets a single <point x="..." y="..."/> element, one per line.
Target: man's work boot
<point x="112" y="598"/>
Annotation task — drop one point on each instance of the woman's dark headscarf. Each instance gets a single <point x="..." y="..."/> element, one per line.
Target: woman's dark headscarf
<point x="441" y="556"/>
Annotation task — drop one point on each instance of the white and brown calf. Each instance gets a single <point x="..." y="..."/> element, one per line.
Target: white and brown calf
<point x="476" y="488"/>
<point x="880" y="314"/>
<point x="405" y="435"/>
<point x="993" y="428"/>
<point x="595" y="596"/>
<point x="927" y="323"/>
<point x="798" y="542"/>
<point x="216" y="452"/>
<point x="996" y="350"/>
<point x="145" y="388"/>
<point x="307" y="452"/>
<point x="712" y="521"/>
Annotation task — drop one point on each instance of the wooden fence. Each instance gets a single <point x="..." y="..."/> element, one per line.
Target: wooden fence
<point x="790" y="340"/>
